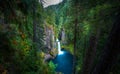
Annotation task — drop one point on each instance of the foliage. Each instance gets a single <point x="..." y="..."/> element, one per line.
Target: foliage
<point x="17" y="52"/>
<point x="52" y="66"/>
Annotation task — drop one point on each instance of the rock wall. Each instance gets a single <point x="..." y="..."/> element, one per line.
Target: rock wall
<point x="49" y="37"/>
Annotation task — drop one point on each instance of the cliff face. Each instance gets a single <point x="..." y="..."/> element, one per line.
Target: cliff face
<point x="49" y="37"/>
<point x="53" y="12"/>
<point x="49" y="42"/>
<point x="62" y="36"/>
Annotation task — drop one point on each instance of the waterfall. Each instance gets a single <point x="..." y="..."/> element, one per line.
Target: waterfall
<point x="59" y="48"/>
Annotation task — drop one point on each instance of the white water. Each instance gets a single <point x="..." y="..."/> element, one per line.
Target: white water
<point x="59" y="48"/>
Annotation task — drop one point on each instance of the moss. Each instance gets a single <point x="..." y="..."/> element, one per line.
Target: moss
<point x="69" y="48"/>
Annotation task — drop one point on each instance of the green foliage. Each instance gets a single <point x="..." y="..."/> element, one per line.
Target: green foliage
<point x="18" y="50"/>
<point x="52" y="67"/>
<point x="93" y="16"/>
<point x="69" y="47"/>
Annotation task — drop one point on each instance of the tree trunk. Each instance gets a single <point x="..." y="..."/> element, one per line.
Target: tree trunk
<point x="35" y="46"/>
<point x="75" y="34"/>
<point x="111" y="50"/>
<point x="34" y="22"/>
<point x="75" y="41"/>
<point x="90" y="53"/>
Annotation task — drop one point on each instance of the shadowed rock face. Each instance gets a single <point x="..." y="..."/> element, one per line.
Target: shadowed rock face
<point x="48" y="57"/>
<point x="49" y="37"/>
<point x="62" y="36"/>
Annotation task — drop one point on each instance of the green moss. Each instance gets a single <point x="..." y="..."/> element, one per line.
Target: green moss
<point x="69" y="48"/>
